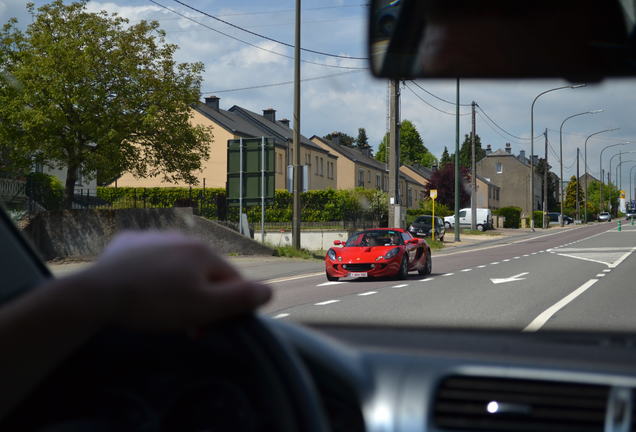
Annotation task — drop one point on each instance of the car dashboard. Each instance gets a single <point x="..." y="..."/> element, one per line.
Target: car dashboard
<point x="412" y="379"/>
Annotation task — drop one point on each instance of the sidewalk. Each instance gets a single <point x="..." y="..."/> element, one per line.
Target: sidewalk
<point x="500" y="235"/>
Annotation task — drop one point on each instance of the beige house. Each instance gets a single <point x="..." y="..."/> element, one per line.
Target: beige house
<point x="238" y="122"/>
<point x="358" y="169"/>
<point x="487" y="194"/>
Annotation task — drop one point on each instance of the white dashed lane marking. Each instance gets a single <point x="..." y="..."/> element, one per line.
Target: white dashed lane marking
<point x="324" y="303"/>
<point x="494" y="263"/>
<point x="282" y="315"/>
<point x="448" y="274"/>
<point x="329" y="283"/>
<point x="400" y="286"/>
<point x="481" y="266"/>
<point x="467" y="270"/>
<point x="427" y="279"/>
<point x="607" y="270"/>
<point x="367" y="293"/>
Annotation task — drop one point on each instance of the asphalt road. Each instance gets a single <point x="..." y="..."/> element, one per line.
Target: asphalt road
<point x="577" y="279"/>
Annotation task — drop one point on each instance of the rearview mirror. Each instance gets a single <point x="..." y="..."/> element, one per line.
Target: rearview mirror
<point x="575" y="39"/>
<point x="337" y="242"/>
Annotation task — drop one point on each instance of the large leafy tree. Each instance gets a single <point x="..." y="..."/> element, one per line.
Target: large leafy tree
<point x="553" y="185"/>
<point x="362" y="141"/>
<point x="443" y="180"/>
<point x="412" y="149"/>
<point x="99" y="94"/>
<point x="570" y="194"/>
<point x="465" y="151"/>
<point x="446" y="158"/>
<point x="345" y="140"/>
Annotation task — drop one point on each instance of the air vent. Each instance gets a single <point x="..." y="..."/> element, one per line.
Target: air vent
<point x="494" y="404"/>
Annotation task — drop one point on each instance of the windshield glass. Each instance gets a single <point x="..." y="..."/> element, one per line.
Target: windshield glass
<point x="153" y="116"/>
<point x="375" y="238"/>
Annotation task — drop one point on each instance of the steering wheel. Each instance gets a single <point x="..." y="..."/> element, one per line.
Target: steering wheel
<point x="238" y="376"/>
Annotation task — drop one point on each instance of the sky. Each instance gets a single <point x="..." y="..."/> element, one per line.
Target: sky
<point x="348" y="99"/>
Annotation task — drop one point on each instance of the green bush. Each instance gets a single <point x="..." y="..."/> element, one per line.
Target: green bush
<point x="538" y="218"/>
<point x="45" y="189"/>
<point x="512" y="215"/>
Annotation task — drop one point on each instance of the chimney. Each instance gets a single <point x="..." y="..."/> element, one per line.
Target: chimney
<point x="212" y="102"/>
<point x="284" y="122"/>
<point x="508" y="148"/>
<point x="488" y="149"/>
<point x="270" y="114"/>
<point x="522" y="155"/>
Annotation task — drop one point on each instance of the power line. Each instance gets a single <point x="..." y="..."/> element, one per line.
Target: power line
<point x="271" y="12"/>
<point x="278" y="84"/>
<point x="249" y="43"/>
<point x="507" y="138"/>
<point x="504" y="130"/>
<point x="267" y="37"/>
<point x="437" y="97"/>
<point x="432" y="106"/>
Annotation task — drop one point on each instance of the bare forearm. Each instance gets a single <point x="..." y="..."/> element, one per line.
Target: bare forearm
<point x="40" y="330"/>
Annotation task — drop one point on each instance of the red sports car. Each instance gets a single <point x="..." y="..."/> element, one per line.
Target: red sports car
<point x="378" y="252"/>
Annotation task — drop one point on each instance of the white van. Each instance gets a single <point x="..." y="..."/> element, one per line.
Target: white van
<point x="484" y="219"/>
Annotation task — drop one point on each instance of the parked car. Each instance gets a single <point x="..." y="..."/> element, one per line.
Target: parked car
<point x="554" y="218"/>
<point x="604" y="217"/>
<point x="484" y="219"/>
<point x="423" y="225"/>
<point x="631" y="214"/>
<point x="377" y="253"/>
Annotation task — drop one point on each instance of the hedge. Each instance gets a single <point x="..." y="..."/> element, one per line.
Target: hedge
<point x="317" y="205"/>
<point x="512" y="215"/>
<point x="538" y="219"/>
<point x="46" y="190"/>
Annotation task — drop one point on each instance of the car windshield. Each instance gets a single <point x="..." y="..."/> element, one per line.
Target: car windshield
<point x="375" y="238"/>
<point x="180" y="116"/>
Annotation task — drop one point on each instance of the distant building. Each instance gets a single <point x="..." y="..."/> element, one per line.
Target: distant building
<point x="512" y="175"/>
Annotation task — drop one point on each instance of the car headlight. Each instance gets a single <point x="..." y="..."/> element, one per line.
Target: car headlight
<point x="393" y="252"/>
<point x="331" y="254"/>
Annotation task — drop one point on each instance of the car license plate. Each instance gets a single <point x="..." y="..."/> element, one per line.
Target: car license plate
<point x="358" y="274"/>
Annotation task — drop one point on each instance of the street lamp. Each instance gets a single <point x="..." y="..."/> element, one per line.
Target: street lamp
<point x="610" y="164"/>
<point x="532" y="145"/>
<point x="561" y="151"/>
<point x="631" y="191"/>
<point x="585" y="165"/>
<point x="600" y="162"/>
<point x="618" y="166"/>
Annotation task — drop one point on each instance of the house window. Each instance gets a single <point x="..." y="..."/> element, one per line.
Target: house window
<point x="322" y="171"/>
<point x="361" y="178"/>
<point x="409" y="199"/>
<point x="497" y="193"/>
<point x="499" y="167"/>
<point x="378" y="181"/>
<point x="369" y="176"/>
<point x="316" y="172"/>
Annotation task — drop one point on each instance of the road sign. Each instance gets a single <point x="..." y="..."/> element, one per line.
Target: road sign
<point x="433" y="193"/>
<point x="249" y="171"/>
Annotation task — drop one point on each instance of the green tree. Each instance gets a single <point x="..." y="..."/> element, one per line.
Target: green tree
<point x="553" y="185"/>
<point x="465" y="151"/>
<point x="99" y="94"/>
<point x="412" y="149"/>
<point x="344" y="139"/>
<point x="570" y="193"/>
<point x="362" y="142"/>
<point x="446" y="159"/>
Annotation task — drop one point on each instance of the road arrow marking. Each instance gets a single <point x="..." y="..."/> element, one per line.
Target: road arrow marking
<point x="510" y="279"/>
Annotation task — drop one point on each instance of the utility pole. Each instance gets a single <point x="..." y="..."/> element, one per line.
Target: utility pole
<point x="457" y="179"/>
<point x="393" y="155"/>
<point x="297" y="172"/>
<point x="473" y="189"/>
<point x="545" y="183"/>
<point x="578" y="209"/>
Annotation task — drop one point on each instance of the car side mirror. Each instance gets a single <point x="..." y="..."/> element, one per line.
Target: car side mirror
<point x="337" y="242"/>
<point x="413" y="241"/>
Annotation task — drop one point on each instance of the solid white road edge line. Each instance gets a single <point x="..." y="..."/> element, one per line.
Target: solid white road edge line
<point x="544" y="316"/>
<point x="621" y="259"/>
<point x="324" y="303"/>
<point x="285" y="279"/>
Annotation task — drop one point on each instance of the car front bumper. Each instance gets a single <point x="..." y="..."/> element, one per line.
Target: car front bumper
<point x="380" y="268"/>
